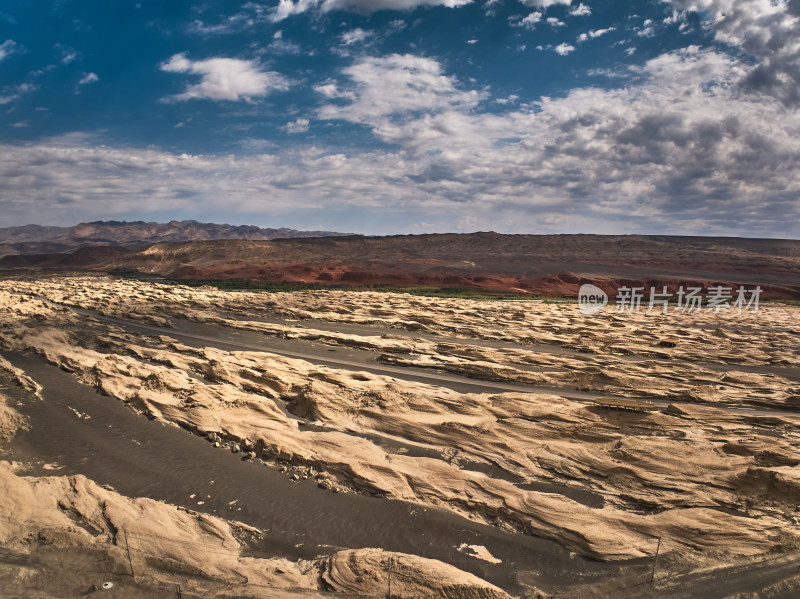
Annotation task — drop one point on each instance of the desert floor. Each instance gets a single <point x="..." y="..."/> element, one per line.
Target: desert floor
<point x="239" y="444"/>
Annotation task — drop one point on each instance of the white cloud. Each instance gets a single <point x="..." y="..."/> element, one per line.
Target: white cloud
<point x="769" y="31"/>
<point x="254" y="14"/>
<point x="354" y="36"/>
<point x="282" y="47"/>
<point x="581" y="10"/>
<point x="88" y="78"/>
<point x="70" y="179"/>
<point x="66" y="54"/>
<point x="554" y="22"/>
<point x="530" y="21"/>
<point x="224" y="79"/>
<point x="251" y="14"/>
<point x="546" y="3"/>
<point x="7" y="48"/>
<point x="297" y="126"/>
<point x="675" y="17"/>
<point x="512" y="99"/>
<point x="599" y="32"/>
<point x="278" y="45"/>
<point x="288" y="8"/>
<point x="373" y="5"/>
<point x="329" y="89"/>
<point x="395" y="84"/>
<point x="680" y="151"/>
<point x="11" y="93"/>
<point x="595" y="34"/>
<point x="564" y="49"/>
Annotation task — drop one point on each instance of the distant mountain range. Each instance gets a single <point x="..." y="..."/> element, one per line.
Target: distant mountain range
<point x="31" y="239"/>
<point x="552" y="265"/>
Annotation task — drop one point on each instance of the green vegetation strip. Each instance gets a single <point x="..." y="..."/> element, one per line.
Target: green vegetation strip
<point x="280" y="286"/>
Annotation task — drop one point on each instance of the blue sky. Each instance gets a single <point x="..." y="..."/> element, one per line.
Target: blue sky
<point x="405" y="116"/>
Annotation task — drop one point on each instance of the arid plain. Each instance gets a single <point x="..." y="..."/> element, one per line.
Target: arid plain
<point x="281" y="444"/>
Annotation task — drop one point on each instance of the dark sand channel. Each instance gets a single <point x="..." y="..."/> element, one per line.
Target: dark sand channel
<point x="86" y="433"/>
<point x="197" y="334"/>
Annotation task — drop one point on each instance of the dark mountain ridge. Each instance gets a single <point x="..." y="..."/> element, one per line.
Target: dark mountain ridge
<point x="554" y="265"/>
<point x="35" y="239"/>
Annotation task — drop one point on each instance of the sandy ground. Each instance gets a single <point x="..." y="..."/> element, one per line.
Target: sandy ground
<point x="66" y="536"/>
<point x="719" y="486"/>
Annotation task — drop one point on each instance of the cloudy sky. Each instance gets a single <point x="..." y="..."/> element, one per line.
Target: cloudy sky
<point x="405" y="116"/>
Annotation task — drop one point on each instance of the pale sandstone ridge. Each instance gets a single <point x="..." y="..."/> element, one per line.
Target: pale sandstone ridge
<point x="683" y="474"/>
<point x="65" y="512"/>
<point x="52" y="522"/>
<point x="596" y="353"/>
<point x="366" y="571"/>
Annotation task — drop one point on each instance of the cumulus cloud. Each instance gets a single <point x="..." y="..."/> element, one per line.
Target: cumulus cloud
<point x="252" y="14"/>
<point x="354" y="36"/>
<point x="680" y="151"/>
<point x="373" y="5"/>
<point x="648" y="31"/>
<point x="564" y="49"/>
<point x="769" y="31"/>
<point x="595" y="34"/>
<point x="581" y="10"/>
<point x="224" y="79"/>
<point x="297" y="126"/>
<point x="530" y="21"/>
<point x="395" y="84"/>
<point x="72" y="179"/>
<point x="288" y="8"/>
<point x="330" y="90"/>
<point x="546" y="3"/>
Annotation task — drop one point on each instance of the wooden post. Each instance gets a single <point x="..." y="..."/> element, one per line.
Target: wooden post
<point x="655" y="560"/>
<point x="128" y="549"/>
